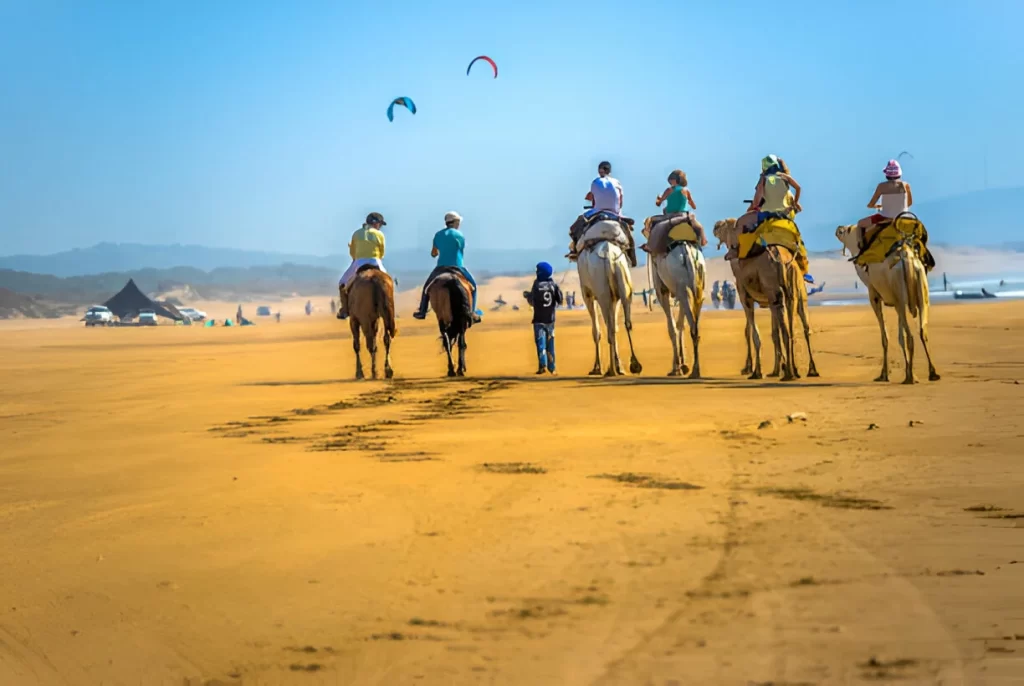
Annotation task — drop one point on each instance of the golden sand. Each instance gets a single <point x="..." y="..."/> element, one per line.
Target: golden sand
<point x="181" y="505"/>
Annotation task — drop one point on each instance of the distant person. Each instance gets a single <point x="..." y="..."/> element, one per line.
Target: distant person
<point x="238" y="314"/>
<point x="277" y="316"/>
<point x="309" y="308"/>
<point x="544" y="298"/>
<point x="449" y="245"/>
<point x="365" y="248"/>
<point x="334" y="308"/>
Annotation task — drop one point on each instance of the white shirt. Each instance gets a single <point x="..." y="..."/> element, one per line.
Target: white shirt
<point x="607" y="194"/>
<point x="893" y="204"/>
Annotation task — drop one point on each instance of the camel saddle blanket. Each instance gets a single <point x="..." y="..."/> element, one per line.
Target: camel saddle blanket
<point x="609" y="230"/>
<point x="663" y="231"/>
<point x="883" y="239"/>
<point x="774" y="231"/>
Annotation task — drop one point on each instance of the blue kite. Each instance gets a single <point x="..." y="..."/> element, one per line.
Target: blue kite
<point x="404" y="102"/>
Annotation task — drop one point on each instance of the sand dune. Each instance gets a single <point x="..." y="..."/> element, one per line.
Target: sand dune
<point x="225" y="506"/>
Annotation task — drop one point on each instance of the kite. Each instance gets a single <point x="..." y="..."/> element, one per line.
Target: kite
<point x="900" y="156"/>
<point x="488" y="60"/>
<point x="404" y="102"/>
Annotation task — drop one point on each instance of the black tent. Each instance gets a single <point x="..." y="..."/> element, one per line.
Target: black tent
<point x="130" y="300"/>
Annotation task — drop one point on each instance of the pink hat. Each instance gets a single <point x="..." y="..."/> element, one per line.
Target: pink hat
<point x="892" y="170"/>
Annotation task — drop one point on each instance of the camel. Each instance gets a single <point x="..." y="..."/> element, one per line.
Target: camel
<point x="771" y="280"/>
<point x="901" y="282"/>
<point x="451" y="298"/>
<point x="371" y="298"/>
<point x="681" y="274"/>
<point x="605" y="279"/>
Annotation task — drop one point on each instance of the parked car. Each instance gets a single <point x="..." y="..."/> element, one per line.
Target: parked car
<point x="262" y="311"/>
<point x="98" y="316"/>
<point x="193" y="314"/>
<point x="147" y="317"/>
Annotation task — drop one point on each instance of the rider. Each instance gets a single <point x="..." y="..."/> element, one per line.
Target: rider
<point x="448" y="247"/>
<point x="365" y="248"/>
<point x="678" y="202"/>
<point x="605" y="195"/>
<point x="895" y="195"/>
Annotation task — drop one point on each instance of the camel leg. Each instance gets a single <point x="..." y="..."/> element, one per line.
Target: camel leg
<point x="922" y="313"/>
<point x="389" y="372"/>
<point x="876" y="305"/>
<point x="777" y="368"/>
<point x="353" y="326"/>
<point x="627" y="317"/>
<point x="693" y="319"/>
<point x="801" y="304"/>
<point x="370" y="332"/>
<point x="748" y="331"/>
<point x="779" y="330"/>
<point x="595" y="328"/>
<point x="790" y="301"/>
<point x="461" y="371"/>
<point x="665" y="300"/>
<point x="611" y="324"/>
<point x="755" y="335"/>
<point x="906" y="341"/>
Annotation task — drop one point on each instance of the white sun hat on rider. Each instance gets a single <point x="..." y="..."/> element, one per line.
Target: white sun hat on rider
<point x="452" y="216"/>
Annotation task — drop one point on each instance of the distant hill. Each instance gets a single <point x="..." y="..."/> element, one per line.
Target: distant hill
<point x="131" y="257"/>
<point x="15" y="305"/>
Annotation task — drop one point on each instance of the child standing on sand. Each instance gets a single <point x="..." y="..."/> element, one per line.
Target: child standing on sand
<point x="544" y="297"/>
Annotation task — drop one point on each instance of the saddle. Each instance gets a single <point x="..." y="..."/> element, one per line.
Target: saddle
<point x="592" y="235"/>
<point x="455" y="271"/>
<point x="777" y="229"/>
<point x="885" y="237"/>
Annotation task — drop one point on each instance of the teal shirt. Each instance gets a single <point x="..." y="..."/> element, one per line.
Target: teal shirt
<point x="676" y="201"/>
<point x="449" y="243"/>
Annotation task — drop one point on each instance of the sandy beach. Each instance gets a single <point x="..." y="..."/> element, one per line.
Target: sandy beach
<point x="182" y="505"/>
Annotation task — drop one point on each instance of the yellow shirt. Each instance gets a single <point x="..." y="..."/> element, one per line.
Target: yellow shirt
<point x="366" y="243"/>
<point x="774" y="194"/>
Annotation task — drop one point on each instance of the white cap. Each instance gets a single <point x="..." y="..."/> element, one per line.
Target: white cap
<point x="451" y="217"/>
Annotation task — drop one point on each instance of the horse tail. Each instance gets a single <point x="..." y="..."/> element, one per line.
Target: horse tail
<point x="460" y="304"/>
<point x="384" y="304"/>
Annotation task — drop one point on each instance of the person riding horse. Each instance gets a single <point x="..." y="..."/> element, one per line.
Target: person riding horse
<point x="365" y="248"/>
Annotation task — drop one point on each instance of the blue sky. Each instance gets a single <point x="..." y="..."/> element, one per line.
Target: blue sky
<point x="262" y="124"/>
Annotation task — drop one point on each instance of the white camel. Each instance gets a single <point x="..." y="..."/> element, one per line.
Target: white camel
<point x="606" y="280"/>
<point x="900" y="282"/>
<point x="680" y="275"/>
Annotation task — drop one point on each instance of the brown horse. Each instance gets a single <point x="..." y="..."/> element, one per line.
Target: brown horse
<point x="371" y="298"/>
<point x="451" y="299"/>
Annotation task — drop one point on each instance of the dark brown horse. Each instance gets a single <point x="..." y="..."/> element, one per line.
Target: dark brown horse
<point x="371" y="298"/>
<point x="451" y="299"/>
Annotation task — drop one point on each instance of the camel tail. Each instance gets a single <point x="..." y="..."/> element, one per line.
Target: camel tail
<point x="697" y="303"/>
<point x="910" y="272"/>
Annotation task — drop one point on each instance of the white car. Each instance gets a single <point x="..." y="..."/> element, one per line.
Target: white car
<point x="147" y="317"/>
<point x="98" y="316"/>
<point x="193" y="314"/>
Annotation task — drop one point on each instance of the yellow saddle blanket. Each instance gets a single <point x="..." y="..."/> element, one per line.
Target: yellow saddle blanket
<point x="775" y="231"/>
<point x="881" y="241"/>
<point x="682" y="232"/>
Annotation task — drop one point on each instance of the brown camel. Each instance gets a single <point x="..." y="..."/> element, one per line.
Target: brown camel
<point x="771" y="280"/>
<point x="451" y="298"/>
<point x="371" y="298"/>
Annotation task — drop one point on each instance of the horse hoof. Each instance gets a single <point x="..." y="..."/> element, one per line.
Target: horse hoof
<point x="595" y="372"/>
<point x="675" y="372"/>
<point x="812" y="374"/>
<point x="909" y="382"/>
<point x="635" y="367"/>
<point x="755" y="376"/>
<point x="788" y="377"/>
<point x="773" y="375"/>
<point x="747" y="370"/>
<point x="451" y="373"/>
<point x="461" y="372"/>
<point x="882" y="379"/>
<point x="934" y="376"/>
<point x="389" y="373"/>
<point x="685" y="370"/>
<point x="695" y="375"/>
<point x="360" y="376"/>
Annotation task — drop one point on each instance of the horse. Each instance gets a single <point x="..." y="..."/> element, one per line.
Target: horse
<point x="605" y="280"/>
<point x="371" y="298"/>
<point x="451" y="298"/>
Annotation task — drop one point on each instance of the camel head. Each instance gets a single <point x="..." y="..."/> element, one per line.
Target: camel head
<point x="847" y="235"/>
<point x="725" y="232"/>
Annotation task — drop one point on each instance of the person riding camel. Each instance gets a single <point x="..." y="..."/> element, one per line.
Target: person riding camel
<point x="448" y="247"/>
<point x="678" y="205"/>
<point x="605" y="196"/>
<point x="365" y="248"/>
<point x="895" y="195"/>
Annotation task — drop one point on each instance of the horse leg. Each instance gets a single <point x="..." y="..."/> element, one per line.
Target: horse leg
<point x="461" y="371"/>
<point x="595" y="327"/>
<point x="627" y="316"/>
<point x="448" y="350"/>
<point x="801" y="305"/>
<point x="876" y="306"/>
<point x="388" y="371"/>
<point x="370" y="332"/>
<point x="353" y="326"/>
